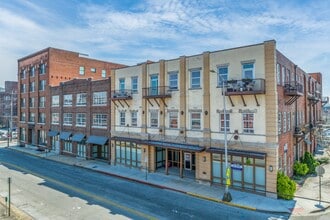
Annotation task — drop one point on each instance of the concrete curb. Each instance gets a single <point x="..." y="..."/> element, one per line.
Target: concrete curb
<point x="16" y="212"/>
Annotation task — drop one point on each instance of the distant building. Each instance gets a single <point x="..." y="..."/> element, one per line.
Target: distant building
<point x="40" y="71"/>
<point x="8" y="105"/>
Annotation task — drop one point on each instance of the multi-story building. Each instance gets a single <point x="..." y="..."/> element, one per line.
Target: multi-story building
<point x="80" y="118"/>
<point x="8" y="105"/>
<point x="36" y="74"/>
<point x="169" y="116"/>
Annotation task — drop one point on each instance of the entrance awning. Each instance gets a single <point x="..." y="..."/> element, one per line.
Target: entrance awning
<point x="52" y="133"/>
<point x="65" y="135"/>
<point x="186" y="147"/>
<point x="78" y="137"/>
<point x="243" y="153"/>
<point x="100" y="140"/>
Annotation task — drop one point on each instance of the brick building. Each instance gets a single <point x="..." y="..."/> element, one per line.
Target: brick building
<point x="80" y="118"/>
<point x="170" y="115"/>
<point x="36" y="73"/>
<point x="8" y="105"/>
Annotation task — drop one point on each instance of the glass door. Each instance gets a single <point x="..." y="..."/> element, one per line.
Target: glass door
<point x="154" y="85"/>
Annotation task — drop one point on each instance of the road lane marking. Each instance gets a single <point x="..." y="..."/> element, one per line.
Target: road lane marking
<point x="83" y="192"/>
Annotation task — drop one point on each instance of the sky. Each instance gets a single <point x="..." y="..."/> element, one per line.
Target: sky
<point x="133" y="31"/>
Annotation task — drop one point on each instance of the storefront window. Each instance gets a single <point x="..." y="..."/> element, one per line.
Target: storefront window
<point x="128" y="153"/>
<point x="246" y="172"/>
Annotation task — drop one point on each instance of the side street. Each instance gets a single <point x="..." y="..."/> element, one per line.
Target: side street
<point x="306" y="203"/>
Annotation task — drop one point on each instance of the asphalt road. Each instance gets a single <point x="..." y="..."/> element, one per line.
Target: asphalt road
<point x="49" y="190"/>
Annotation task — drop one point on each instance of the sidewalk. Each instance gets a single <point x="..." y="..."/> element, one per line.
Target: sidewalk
<point x="298" y="207"/>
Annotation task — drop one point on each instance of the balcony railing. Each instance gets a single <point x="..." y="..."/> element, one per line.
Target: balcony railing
<point x="315" y="96"/>
<point x="245" y="86"/>
<point x="156" y="92"/>
<point x="121" y="94"/>
<point x="325" y="100"/>
<point x="293" y="89"/>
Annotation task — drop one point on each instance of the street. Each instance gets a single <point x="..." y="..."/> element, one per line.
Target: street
<point x="50" y="190"/>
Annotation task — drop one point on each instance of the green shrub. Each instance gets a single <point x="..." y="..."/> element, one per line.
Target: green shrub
<point x="285" y="186"/>
<point x="311" y="162"/>
<point x="300" y="169"/>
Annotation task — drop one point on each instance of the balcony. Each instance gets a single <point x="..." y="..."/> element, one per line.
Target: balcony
<point x="293" y="89"/>
<point x="245" y="87"/>
<point x="325" y="100"/>
<point x="298" y="132"/>
<point x="122" y="94"/>
<point x="155" y="93"/>
<point x="314" y="97"/>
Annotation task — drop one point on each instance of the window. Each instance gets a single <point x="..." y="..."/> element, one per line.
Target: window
<point x="279" y="122"/>
<point x="134" y="118"/>
<point x="283" y="75"/>
<point x="80" y="119"/>
<point x="195" y="121"/>
<point x="287" y="76"/>
<point x="100" y="120"/>
<point x="284" y="122"/>
<point x="67" y="100"/>
<point x="23" y="74"/>
<point x="134" y="84"/>
<point x="42" y="101"/>
<point x="32" y="71"/>
<point x="23" y="104"/>
<point x="67" y="118"/>
<point x="173" y="119"/>
<point x="68" y="146"/>
<point x="99" y="98"/>
<point x="55" y="100"/>
<point x="31" y="117"/>
<point x="42" y="137"/>
<point x="222" y="75"/>
<point x="248" y="120"/>
<point x="122" y="118"/>
<point x="195" y="79"/>
<point x="222" y="122"/>
<point x="42" y="118"/>
<point x="23" y="116"/>
<point x="42" y="85"/>
<point x="23" y="88"/>
<point x="31" y="102"/>
<point x="278" y="73"/>
<point x="82" y="70"/>
<point x="32" y="86"/>
<point x="248" y="70"/>
<point x="154" y="119"/>
<point x="104" y="73"/>
<point x="93" y="70"/>
<point x="55" y="118"/>
<point x="42" y="68"/>
<point x="173" y="80"/>
<point x="122" y="85"/>
<point x="81" y="99"/>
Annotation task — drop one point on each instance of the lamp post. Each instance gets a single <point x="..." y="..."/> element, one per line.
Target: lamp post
<point x="226" y="196"/>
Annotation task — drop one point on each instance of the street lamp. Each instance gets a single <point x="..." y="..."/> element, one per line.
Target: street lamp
<point x="226" y="196"/>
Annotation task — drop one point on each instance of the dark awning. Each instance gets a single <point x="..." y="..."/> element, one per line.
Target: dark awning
<point x="243" y="153"/>
<point x="78" y="137"/>
<point x="65" y="135"/>
<point x="52" y="133"/>
<point x="186" y="147"/>
<point x="100" y="140"/>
